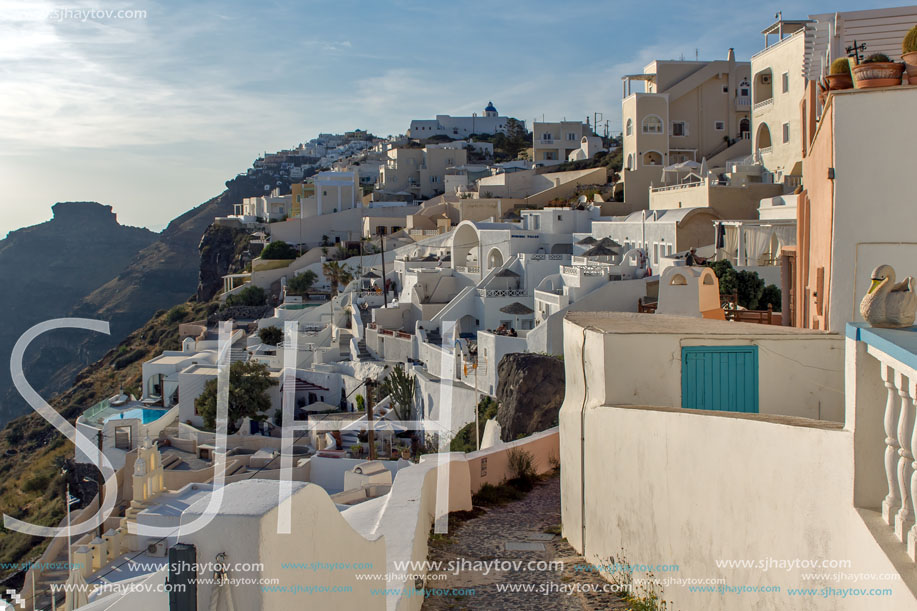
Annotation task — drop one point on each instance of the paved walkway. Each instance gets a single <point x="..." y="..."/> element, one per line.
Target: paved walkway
<point x="517" y="531"/>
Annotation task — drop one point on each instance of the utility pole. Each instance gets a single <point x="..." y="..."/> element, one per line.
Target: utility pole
<point x="384" y="286"/>
<point x="370" y="436"/>
<point x="477" y="425"/>
<point x="99" y="479"/>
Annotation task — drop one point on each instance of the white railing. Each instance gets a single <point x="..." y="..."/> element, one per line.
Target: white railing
<point x="585" y="270"/>
<point x="688" y="185"/>
<point x="893" y="349"/>
<point x="501" y="292"/>
<point x="541" y="257"/>
<point x="762" y="104"/>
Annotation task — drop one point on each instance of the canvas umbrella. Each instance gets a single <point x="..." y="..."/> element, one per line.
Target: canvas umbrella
<point x="600" y="250"/>
<point x="516" y="309"/>
<point x="587" y="241"/>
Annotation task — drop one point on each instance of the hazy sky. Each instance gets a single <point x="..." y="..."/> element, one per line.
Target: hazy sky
<point x="153" y="114"/>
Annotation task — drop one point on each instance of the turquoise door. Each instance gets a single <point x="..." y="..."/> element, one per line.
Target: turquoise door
<point x="720" y="378"/>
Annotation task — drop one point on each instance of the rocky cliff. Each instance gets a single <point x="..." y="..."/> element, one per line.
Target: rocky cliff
<point x="47" y="269"/>
<point x="119" y="274"/>
<point x="223" y="250"/>
<point x="530" y="391"/>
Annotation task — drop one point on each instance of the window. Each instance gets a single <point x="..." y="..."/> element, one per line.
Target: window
<point x="725" y="88"/>
<point x="547" y="136"/>
<point x="652" y="125"/>
<point x="550" y="156"/>
<point x="434" y="179"/>
<point x="786" y="132"/>
<point x="679" y="128"/>
<point x="719" y="125"/>
<point x="629" y="130"/>
<point x="571" y="136"/>
<point x="786" y="82"/>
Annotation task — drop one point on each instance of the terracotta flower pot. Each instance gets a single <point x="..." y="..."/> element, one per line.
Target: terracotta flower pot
<point x="910" y="64"/>
<point x="878" y="74"/>
<point x="840" y="81"/>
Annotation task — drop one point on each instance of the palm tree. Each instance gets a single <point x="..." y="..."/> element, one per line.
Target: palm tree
<point x="337" y="274"/>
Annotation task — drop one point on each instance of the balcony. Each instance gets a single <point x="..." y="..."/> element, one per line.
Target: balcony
<point x="884" y="387"/>
<point x="743" y="102"/>
<point x="763" y="104"/>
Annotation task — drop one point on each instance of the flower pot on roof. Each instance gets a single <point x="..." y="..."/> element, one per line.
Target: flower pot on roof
<point x="909" y="55"/>
<point x="839" y="75"/>
<point x="877" y="71"/>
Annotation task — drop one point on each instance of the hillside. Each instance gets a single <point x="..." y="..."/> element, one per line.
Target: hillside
<point x="122" y="285"/>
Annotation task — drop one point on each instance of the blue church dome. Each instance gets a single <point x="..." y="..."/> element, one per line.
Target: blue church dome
<point x="490" y="107"/>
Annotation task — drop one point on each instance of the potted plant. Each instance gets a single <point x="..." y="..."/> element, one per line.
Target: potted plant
<point x="877" y="70"/>
<point x="356" y="450"/>
<point x="839" y="75"/>
<point x="909" y="55"/>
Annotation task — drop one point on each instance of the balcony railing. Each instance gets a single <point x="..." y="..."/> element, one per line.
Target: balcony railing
<point x="502" y="292"/>
<point x="896" y="353"/>
<point x="763" y="104"/>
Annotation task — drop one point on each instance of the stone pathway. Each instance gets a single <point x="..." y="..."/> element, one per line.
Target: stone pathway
<point x="517" y="531"/>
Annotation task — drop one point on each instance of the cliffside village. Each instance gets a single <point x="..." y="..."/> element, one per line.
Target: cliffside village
<point x="703" y="303"/>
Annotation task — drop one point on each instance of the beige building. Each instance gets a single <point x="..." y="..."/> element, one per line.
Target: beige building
<point x="778" y="84"/>
<point x="689" y="111"/>
<point x="420" y="172"/>
<point x="553" y="142"/>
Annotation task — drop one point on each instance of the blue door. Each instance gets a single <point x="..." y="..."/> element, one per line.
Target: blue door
<point x="720" y="378"/>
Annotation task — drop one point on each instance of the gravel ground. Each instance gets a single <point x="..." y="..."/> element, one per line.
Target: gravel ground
<point x="517" y="531"/>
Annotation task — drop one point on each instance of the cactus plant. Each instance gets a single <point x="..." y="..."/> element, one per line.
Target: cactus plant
<point x="840" y="66"/>
<point x="876" y="58"/>
<point x="909" y="44"/>
<point x="909" y="54"/>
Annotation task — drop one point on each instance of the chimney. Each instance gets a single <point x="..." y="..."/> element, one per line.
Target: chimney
<point x="731" y="56"/>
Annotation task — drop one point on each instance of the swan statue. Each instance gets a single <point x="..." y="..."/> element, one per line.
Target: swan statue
<point x="887" y="304"/>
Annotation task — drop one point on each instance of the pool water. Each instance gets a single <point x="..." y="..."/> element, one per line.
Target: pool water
<point x="144" y="414"/>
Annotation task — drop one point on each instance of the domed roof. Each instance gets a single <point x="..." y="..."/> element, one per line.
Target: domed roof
<point x="490" y="107"/>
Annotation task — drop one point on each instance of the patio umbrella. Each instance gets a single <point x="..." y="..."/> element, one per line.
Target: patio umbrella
<point x="371" y="274"/>
<point x="516" y="309"/>
<point x="609" y="243"/>
<point x="600" y="250"/>
<point x="512" y="214"/>
<point x="587" y="241"/>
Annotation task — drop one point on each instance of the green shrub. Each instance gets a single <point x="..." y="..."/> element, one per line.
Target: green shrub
<point x="36" y="483"/>
<point x="249" y="296"/>
<point x="840" y="66"/>
<point x="771" y="296"/>
<point x="909" y="44"/>
<point x="876" y="58"/>
<point x="496" y="495"/>
<point x="177" y="313"/>
<point x="301" y="283"/>
<point x="278" y="250"/>
<point x="361" y="403"/>
<point x="522" y="469"/>
<point x="271" y="335"/>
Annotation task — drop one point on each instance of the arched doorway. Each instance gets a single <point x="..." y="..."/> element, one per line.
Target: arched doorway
<point x="744" y="128"/>
<point x="464" y="246"/>
<point x="495" y="258"/>
<point x="763" y="138"/>
<point x="652" y="158"/>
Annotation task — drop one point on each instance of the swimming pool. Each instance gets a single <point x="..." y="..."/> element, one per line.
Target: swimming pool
<point x="144" y="414"/>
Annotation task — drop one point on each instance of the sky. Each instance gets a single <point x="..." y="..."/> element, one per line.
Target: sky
<point x="151" y="106"/>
